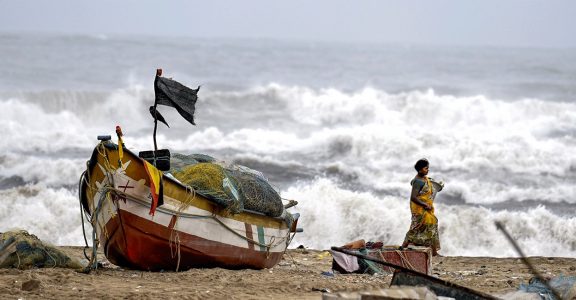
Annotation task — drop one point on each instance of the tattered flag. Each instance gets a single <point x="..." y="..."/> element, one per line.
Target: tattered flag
<point x="157" y="116"/>
<point x="172" y="93"/>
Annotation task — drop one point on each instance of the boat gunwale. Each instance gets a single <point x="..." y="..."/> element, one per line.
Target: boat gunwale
<point x="146" y="203"/>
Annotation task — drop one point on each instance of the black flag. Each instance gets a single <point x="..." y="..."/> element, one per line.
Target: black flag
<point x="157" y="116"/>
<point x="172" y="93"/>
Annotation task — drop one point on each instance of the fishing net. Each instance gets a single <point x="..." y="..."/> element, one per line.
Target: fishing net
<point x="233" y="186"/>
<point x="180" y="161"/>
<point x="19" y="249"/>
<point x="257" y="194"/>
<point x="211" y="180"/>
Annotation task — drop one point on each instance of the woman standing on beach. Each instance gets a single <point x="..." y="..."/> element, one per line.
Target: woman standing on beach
<point x="424" y="227"/>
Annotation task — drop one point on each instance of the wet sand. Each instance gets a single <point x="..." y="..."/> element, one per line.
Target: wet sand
<point x="297" y="276"/>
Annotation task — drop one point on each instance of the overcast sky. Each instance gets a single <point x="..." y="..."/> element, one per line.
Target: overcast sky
<point x="439" y="22"/>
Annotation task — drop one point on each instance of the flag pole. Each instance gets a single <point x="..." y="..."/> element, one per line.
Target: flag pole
<point x="158" y="74"/>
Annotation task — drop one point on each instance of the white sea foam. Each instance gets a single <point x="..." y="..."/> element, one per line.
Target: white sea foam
<point x="51" y="214"/>
<point x="51" y="171"/>
<point x="361" y="145"/>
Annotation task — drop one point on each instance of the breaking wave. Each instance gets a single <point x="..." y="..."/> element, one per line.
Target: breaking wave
<point x="347" y="156"/>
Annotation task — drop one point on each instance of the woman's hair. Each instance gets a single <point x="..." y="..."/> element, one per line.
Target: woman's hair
<point x="421" y="163"/>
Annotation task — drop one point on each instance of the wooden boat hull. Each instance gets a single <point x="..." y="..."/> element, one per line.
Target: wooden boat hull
<point x="188" y="231"/>
<point x="438" y="286"/>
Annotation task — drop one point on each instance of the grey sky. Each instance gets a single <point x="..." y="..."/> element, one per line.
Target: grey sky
<point x="446" y="22"/>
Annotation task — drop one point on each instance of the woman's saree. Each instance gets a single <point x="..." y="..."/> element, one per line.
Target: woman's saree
<point x="424" y="227"/>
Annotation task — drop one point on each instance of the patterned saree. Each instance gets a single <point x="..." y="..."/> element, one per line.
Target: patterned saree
<point x="424" y="227"/>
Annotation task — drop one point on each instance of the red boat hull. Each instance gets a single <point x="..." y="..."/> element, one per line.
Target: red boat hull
<point x="137" y="243"/>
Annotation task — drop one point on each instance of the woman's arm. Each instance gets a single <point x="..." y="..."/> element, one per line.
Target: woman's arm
<point x="414" y="196"/>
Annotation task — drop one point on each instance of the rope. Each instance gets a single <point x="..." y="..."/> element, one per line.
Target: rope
<point x="289" y="240"/>
<point x="102" y="151"/>
<point x="405" y="261"/>
<point x="175" y="237"/>
<point x="268" y="246"/>
<point x="93" y="263"/>
<point x="104" y="195"/>
<point x="190" y="196"/>
<point x="82" y="177"/>
<point x="272" y="239"/>
<point x="53" y="259"/>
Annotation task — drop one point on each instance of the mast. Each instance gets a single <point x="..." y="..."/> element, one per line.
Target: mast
<point x="158" y="74"/>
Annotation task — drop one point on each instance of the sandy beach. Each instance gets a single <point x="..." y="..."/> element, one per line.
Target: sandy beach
<point x="297" y="276"/>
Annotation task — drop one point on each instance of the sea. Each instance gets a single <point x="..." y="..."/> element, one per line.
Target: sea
<point x="335" y="126"/>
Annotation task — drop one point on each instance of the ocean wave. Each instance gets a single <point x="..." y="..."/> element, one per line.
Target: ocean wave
<point x="52" y="214"/>
<point x="488" y="151"/>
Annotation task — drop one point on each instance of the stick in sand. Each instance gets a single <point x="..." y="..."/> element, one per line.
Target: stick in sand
<point x="500" y="226"/>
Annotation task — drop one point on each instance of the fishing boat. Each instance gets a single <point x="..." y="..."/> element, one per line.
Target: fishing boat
<point x="189" y="230"/>
<point x="148" y="220"/>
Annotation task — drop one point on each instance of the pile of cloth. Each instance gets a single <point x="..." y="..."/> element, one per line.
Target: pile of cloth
<point x="345" y="264"/>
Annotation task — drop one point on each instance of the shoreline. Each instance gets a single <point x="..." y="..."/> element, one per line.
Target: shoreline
<point x="297" y="276"/>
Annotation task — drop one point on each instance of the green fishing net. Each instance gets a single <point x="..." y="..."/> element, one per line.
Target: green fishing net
<point x="233" y="186"/>
<point x="19" y="249"/>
